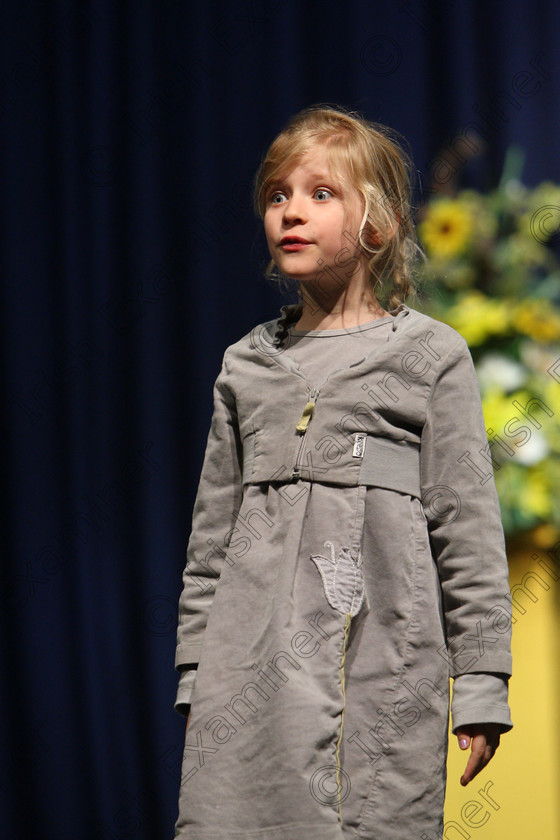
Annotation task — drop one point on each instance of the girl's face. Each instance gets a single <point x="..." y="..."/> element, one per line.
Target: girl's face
<point x="311" y="224"/>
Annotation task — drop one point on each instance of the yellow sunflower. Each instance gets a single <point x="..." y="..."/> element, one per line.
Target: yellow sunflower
<point x="447" y="228"/>
<point x="538" y="319"/>
<point x="478" y="317"/>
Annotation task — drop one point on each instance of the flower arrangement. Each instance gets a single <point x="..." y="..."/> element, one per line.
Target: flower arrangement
<point x="494" y="275"/>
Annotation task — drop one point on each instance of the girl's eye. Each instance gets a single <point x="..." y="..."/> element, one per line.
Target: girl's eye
<point x="322" y="194"/>
<point x="277" y="198"/>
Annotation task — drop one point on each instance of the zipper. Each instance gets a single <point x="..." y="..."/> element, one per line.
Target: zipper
<point x="301" y="429"/>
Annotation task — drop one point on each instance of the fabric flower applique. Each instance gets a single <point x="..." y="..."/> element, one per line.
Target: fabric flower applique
<point x="343" y="579"/>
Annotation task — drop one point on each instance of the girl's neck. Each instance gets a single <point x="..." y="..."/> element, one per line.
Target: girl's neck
<point x="338" y="314"/>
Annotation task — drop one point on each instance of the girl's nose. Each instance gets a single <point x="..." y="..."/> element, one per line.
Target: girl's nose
<point x="294" y="210"/>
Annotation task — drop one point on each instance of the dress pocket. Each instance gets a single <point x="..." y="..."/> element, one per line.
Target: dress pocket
<point x="249" y="444"/>
<point x="421" y="533"/>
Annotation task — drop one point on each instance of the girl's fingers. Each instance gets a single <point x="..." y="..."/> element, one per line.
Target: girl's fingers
<point x="463" y="739"/>
<point x="482" y="750"/>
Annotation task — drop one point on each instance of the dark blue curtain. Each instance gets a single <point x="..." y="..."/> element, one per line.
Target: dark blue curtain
<point x="130" y="259"/>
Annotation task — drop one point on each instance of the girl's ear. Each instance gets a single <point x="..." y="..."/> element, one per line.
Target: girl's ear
<point x="372" y="236"/>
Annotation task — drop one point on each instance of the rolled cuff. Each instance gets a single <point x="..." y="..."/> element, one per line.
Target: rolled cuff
<point x="184" y="691"/>
<point x="187" y="653"/>
<point x="480" y="698"/>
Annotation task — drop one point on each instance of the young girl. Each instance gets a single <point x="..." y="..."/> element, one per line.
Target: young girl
<point x="346" y="554"/>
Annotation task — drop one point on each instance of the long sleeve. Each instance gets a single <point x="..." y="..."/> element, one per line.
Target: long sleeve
<point x="184" y="691"/>
<point x="461" y="505"/>
<point x="217" y="502"/>
<point x="480" y="698"/>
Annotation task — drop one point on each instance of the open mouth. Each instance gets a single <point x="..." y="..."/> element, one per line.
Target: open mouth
<point x="293" y="243"/>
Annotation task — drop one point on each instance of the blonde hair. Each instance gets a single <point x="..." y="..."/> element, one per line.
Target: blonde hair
<point x="370" y="157"/>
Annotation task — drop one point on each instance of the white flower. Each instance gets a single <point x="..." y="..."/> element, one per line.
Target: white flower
<point x="533" y="450"/>
<point x="496" y="370"/>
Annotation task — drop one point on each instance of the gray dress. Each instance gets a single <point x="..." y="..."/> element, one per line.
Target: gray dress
<point x="352" y="526"/>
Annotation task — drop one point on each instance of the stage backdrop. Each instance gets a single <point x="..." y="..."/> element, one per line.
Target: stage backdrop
<point x="130" y="258"/>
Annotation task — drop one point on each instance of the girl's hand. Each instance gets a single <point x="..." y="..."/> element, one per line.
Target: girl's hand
<point x="483" y="739"/>
<point x="188" y="719"/>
